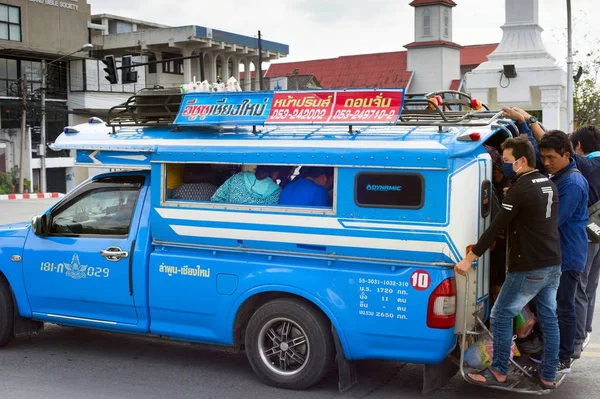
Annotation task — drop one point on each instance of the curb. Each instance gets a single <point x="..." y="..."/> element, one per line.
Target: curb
<point x="30" y="196"/>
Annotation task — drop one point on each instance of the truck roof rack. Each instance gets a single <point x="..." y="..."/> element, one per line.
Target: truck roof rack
<point x="148" y="107"/>
<point x="159" y="107"/>
<point x="445" y="108"/>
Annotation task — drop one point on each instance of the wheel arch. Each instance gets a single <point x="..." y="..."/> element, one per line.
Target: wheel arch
<point x="248" y="303"/>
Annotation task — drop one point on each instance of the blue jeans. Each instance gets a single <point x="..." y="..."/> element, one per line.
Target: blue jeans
<point x="567" y="318"/>
<point x="518" y="290"/>
<point x="586" y="293"/>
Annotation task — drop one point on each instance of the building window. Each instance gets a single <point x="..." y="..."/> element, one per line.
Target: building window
<point x="10" y="23"/>
<point x="33" y="69"/>
<point x="446" y="23"/>
<point x="8" y="78"/>
<point x="119" y="27"/>
<point x="389" y="190"/>
<point x="175" y="66"/>
<point x="426" y="22"/>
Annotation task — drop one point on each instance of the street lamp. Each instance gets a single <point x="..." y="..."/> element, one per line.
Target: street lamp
<point x="570" y="80"/>
<point x="85" y="47"/>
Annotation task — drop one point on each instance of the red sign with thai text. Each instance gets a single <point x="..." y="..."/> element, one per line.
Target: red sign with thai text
<point x="301" y="107"/>
<point x="336" y="107"/>
<point x="367" y="107"/>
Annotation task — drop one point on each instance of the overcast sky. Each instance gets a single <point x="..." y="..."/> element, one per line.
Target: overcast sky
<point x="329" y="28"/>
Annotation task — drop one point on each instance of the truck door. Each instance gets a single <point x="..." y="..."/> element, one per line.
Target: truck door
<point x="79" y="273"/>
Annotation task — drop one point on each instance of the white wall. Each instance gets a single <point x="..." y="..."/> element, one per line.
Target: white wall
<point x="434" y="67"/>
<point x="166" y="79"/>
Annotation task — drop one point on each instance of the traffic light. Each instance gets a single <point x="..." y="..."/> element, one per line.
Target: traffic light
<point x="127" y="75"/>
<point x="111" y="70"/>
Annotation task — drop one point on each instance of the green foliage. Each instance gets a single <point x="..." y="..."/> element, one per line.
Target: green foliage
<point x="9" y="182"/>
<point x="586" y="98"/>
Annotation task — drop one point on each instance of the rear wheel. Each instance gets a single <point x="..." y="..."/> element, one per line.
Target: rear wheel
<point x="6" y="314"/>
<point x="289" y="344"/>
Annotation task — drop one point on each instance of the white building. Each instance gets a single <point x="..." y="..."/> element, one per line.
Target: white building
<point x="537" y="82"/>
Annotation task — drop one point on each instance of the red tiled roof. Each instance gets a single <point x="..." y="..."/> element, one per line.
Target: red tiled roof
<point x="476" y="54"/>
<point x="418" y="3"/>
<point x="368" y="70"/>
<point x="455" y="84"/>
<point x="433" y="43"/>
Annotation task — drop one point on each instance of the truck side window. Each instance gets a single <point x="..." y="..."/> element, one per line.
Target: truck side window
<point x="104" y="209"/>
<point x="389" y="190"/>
<point x="289" y="186"/>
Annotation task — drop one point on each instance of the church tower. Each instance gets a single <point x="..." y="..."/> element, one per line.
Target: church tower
<point x="433" y="56"/>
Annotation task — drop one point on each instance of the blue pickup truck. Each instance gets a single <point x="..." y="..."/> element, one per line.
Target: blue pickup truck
<point x="145" y="250"/>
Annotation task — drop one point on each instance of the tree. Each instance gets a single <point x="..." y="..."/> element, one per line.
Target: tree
<point x="586" y="98"/>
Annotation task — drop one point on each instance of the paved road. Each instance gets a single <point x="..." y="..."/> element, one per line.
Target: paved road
<point x="13" y="211"/>
<point x="73" y="363"/>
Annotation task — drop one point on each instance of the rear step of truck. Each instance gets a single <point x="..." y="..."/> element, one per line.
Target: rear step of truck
<point x="521" y="370"/>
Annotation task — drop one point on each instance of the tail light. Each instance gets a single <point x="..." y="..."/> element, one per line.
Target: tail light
<point x="441" y="310"/>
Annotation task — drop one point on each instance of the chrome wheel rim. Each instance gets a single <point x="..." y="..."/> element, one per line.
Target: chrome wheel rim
<point x="283" y="346"/>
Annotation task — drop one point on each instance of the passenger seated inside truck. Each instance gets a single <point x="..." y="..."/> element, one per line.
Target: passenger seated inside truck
<point x="198" y="183"/>
<point x="251" y="188"/>
<point x="309" y="188"/>
<point x="238" y="184"/>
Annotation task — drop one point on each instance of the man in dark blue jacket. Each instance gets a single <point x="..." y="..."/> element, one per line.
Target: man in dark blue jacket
<point x="555" y="150"/>
<point x="586" y="142"/>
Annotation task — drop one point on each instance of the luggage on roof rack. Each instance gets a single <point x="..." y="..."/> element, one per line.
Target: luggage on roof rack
<point x="148" y="107"/>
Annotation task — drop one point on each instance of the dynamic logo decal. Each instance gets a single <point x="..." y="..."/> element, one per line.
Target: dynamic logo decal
<point x="375" y="187"/>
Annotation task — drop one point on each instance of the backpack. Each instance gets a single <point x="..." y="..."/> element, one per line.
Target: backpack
<point x="593" y="225"/>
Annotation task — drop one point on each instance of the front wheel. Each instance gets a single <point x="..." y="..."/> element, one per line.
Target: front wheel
<point x="6" y="314"/>
<point x="289" y="344"/>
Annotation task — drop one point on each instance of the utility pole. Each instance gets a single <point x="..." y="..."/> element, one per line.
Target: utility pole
<point x="570" y="83"/>
<point x="23" y="133"/>
<point x="43" y="132"/>
<point x="260" y="75"/>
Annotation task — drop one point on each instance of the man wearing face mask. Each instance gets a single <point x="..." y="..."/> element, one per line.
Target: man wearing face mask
<point x="530" y="210"/>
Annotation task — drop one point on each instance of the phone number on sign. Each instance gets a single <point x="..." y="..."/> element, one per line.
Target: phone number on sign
<point x="365" y="114"/>
<point x="299" y="114"/>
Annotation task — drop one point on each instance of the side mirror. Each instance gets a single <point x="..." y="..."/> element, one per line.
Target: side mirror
<point x="38" y="225"/>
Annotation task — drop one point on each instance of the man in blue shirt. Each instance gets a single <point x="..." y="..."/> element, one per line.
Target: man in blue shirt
<point x="308" y="189"/>
<point x="555" y="150"/>
<point x="586" y="142"/>
<point x="586" y="145"/>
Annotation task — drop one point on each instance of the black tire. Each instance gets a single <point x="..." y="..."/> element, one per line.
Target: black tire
<point x="302" y="319"/>
<point x="6" y="314"/>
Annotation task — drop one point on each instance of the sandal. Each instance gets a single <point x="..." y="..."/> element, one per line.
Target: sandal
<point x="490" y="379"/>
<point x="537" y="378"/>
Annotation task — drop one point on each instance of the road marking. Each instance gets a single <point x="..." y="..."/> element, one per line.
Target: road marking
<point x="597" y="346"/>
<point x="590" y="354"/>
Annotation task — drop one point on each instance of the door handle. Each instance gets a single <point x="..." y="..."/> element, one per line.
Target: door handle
<point x="114" y="254"/>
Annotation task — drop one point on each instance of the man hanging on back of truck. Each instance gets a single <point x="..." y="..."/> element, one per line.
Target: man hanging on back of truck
<point x="530" y="209"/>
